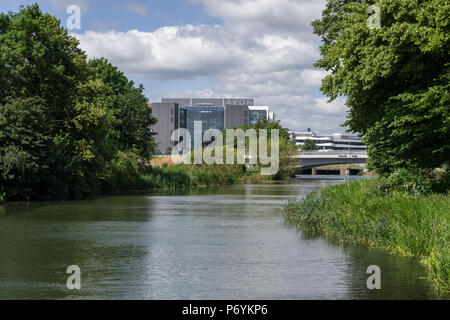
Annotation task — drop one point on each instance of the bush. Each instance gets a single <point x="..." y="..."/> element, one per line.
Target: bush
<point x="123" y="173"/>
<point x="442" y="182"/>
<point x="411" y="180"/>
<point x="419" y="181"/>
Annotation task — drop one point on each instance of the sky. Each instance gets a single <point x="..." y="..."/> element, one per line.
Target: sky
<point x="260" y="49"/>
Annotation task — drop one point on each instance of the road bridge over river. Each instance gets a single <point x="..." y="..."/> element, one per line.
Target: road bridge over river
<point x="311" y="159"/>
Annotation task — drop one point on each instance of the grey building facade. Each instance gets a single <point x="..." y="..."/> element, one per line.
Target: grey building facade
<point x="167" y="115"/>
<point x="175" y="113"/>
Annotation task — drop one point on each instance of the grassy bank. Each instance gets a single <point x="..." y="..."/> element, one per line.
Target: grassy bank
<point x="127" y="174"/>
<point x="186" y="176"/>
<point x="365" y="213"/>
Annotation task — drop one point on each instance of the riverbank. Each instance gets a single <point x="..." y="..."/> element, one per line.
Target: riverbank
<point x="179" y="176"/>
<point x="127" y="175"/>
<point x="364" y="213"/>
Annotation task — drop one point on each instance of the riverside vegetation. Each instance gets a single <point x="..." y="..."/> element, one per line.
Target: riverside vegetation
<point x="129" y="172"/>
<point x="396" y="80"/>
<point x="71" y="127"/>
<point x="369" y="213"/>
<point x="64" y="119"/>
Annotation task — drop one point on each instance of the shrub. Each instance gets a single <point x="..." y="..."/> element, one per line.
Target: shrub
<point x="411" y="180"/>
<point x="124" y="172"/>
<point x="442" y="182"/>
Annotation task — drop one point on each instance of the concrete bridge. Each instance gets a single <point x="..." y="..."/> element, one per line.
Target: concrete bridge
<point x="311" y="159"/>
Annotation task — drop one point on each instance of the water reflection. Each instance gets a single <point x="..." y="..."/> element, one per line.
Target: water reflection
<point x="215" y="243"/>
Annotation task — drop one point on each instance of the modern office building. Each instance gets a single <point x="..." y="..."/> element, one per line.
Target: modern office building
<point x="330" y="142"/>
<point x="218" y="114"/>
<point x="259" y="112"/>
<point x="256" y="113"/>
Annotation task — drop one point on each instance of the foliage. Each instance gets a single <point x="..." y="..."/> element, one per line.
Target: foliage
<point x="287" y="148"/>
<point x="131" y="109"/>
<point x="288" y="162"/>
<point x="38" y="59"/>
<point x="25" y="145"/>
<point x="364" y="213"/>
<point x="441" y="181"/>
<point x="186" y="176"/>
<point x="417" y="181"/>
<point x="64" y="119"/>
<point x="395" y="79"/>
<point x="124" y="172"/>
<point x="309" y="145"/>
<point x="268" y="125"/>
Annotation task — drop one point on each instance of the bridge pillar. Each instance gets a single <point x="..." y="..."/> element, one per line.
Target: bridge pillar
<point x="313" y="171"/>
<point x="345" y="172"/>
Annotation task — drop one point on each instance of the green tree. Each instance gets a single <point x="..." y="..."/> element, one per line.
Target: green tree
<point x="131" y="109"/>
<point x="38" y="59"/>
<point x="288" y="162"/>
<point x="287" y="148"/>
<point x="87" y="111"/>
<point x="309" y="145"/>
<point x="89" y="128"/>
<point x="395" y="79"/>
<point x="269" y="125"/>
<point x="25" y="146"/>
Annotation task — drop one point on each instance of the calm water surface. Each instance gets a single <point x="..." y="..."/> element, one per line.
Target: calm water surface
<point x="220" y="243"/>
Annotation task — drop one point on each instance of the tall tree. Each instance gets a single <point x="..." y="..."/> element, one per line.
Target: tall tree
<point x="86" y="111"/>
<point x="38" y="59"/>
<point x="395" y="78"/>
<point x="309" y="145"/>
<point x="25" y="146"/>
<point x="131" y="109"/>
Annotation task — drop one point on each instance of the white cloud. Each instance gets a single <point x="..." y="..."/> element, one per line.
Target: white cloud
<point x="62" y="5"/>
<point x="137" y="8"/>
<point x="190" y="51"/>
<point x="264" y="49"/>
<point x="286" y="16"/>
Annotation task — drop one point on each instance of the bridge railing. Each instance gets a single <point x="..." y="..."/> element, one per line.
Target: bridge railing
<point x="332" y="153"/>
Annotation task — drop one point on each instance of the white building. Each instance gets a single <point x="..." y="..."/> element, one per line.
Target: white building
<point x="259" y="112"/>
<point x="330" y="142"/>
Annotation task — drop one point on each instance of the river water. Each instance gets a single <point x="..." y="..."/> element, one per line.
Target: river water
<point x="227" y="242"/>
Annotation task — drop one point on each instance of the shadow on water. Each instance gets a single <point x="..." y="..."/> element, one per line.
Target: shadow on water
<point x="227" y="242"/>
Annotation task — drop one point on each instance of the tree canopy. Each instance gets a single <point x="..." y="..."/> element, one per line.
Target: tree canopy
<point x="309" y="145"/>
<point x="395" y="78"/>
<point x="63" y="119"/>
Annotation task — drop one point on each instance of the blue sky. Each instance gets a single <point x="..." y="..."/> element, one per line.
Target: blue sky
<point x="261" y="49"/>
<point x="106" y="14"/>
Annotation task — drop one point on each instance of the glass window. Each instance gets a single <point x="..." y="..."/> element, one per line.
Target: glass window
<point x="211" y="118"/>
<point x="183" y="117"/>
<point x="256" y="115"/>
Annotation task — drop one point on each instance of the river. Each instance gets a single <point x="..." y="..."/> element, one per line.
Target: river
<point x="228" y="242"/>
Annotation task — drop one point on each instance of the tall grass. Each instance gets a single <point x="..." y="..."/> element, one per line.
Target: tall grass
<point x="184" y="176"/>
<point x="365" y="213"/>
<point x="127" y="173"/>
